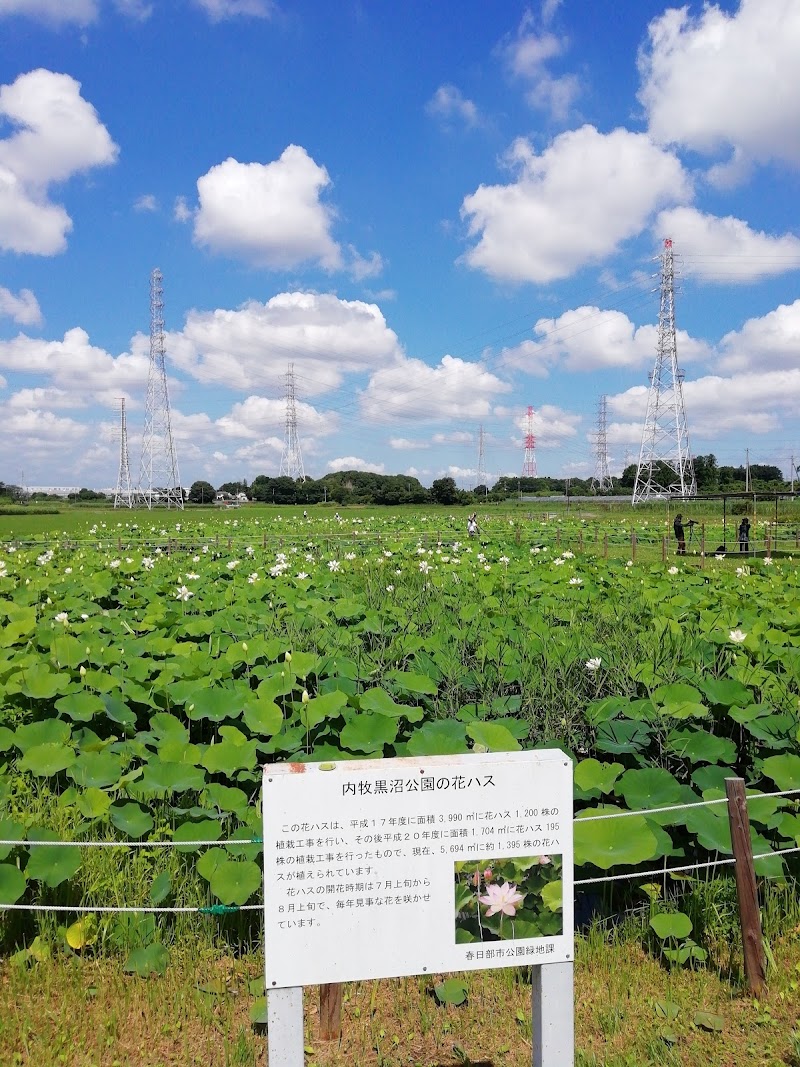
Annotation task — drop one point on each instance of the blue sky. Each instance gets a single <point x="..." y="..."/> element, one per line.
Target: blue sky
<point x="439" y="213"/>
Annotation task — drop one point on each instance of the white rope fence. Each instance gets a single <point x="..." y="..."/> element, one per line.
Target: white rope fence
<point x="224" y="909"/>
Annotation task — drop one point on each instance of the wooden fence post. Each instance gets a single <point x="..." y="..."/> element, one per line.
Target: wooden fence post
<point x="768" y="543"/>
<point x="330" y="1011"/>
<point x="633" y="545"/>
<point x="580" y="540"/>
<point x="746" y="889"/>
<point x="558" y="539"/>
<point x="664" y="549"/>
<point x="605" y="546"/>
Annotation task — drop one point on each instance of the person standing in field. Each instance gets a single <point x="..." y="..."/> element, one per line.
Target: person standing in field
<point x="472" y="525"/>
<point x="680" y="534"/>
<point x="744" y="535"/>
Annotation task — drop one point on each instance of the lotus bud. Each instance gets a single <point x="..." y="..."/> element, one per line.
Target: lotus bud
<point x="288" y="657"/>
<point x="305" y="697"/>
<point x="83" y="671"/>
<point x="244" y="645"/>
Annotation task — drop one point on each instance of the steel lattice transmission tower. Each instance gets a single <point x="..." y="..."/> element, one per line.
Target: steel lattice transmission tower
<point x="665" y="465"/>
<point x="481" y="472"/>
<point x="529" y="460"/>
<point x="159" y="480"/>
<point x="602" y="480"/>
<point x="292" y="457"/>
<point x="123" y="496"/>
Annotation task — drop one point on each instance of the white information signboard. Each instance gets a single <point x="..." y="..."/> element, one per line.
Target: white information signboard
<point x="392" y="867"/>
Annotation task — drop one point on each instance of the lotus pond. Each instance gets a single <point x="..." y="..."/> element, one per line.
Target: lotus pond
<point x="149" y="668"/>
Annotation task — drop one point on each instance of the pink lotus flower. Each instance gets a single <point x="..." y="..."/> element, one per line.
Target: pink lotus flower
<point x="501" y="899"/>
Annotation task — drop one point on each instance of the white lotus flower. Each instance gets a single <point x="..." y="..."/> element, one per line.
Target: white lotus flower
<point x="737" y="636"/>
<point x="593" y="664"/>
<point x="232" y="564"/>
<point x="183" y="593"/>
<point x="672" y="570"/>
<point x="63" y="618"/>
<point x="334" y="565"/>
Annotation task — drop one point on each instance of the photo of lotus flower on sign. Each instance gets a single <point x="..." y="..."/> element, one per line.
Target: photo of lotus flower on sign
<point x="504" y="898"/>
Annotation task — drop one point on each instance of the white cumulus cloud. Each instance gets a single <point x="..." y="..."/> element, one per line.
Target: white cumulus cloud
<point x="57" y="135"/>
<point x="527" y="55"/>
<point x="355" y="463"/>
<point x="22" y="307"/>
<point x="449" y="103"/>
<point x="269" y="214"/>
<point x="570" y="206"/>
<point x="218" y="10"/>
<point x="727" y="249"/>
<point x="721" y="79"/>
<point x="56" y="12"/>
<point x="412" y="389"/>
<point x="250" y="347"/>
<point x="589" y="338"/>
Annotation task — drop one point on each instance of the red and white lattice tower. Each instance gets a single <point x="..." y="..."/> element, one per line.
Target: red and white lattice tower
<point x="529" y="461"/>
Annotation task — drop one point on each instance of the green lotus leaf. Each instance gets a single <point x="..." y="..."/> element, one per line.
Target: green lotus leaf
<point x="48" y="731"/>
<point x="775" y="731"/>
<point x="414" y="683"/>
<point x="304" y="663"/>
<point x="215" y="704"/>
<point x="674" y="925"/>
<point x="209" y="862"/>
<point x="752" y="711"/>
<point x="235" y="881"/>
<point x="21" y="623"/>
<point x="368" y="733"/>
<point x="493" y="737"/>
<point x="53" y="864"/>
<point x="681" y="701"/>
<point x="40" y="683"/>
<point x="202" y="830"/>
<point x="161" y="888"/>
<point x="102" y="682"/>
<point x="649" y="788"/>
<point x="98" y="769"/>
<point x="227" y="757"/>
<point x="379" y="701"/>
<point x="166" y="726"/>
<point x="68" y="651"/>
<point x="593" y="777"/>
<point x="226" y="798"/>
<point x="784" y="771"/>
<point x="711" y="777"/>
<point x="444" y="737"/>
<point x="6" y="739"/>
<point x="451" y="991"/>
<point x="93" y="803"/>
<point x="168" y="778"/>
<point x="152" y="959"/>
<point x="131" y="819"/>
<point x="174" y="750"/>
<point x="10" y="831"/>
<point x="726" y="692"/>
<point x="47" y="759"/>
<point x="609" y="842"/>
<point x="622" y="735"/>
<point x="600" y="711"/>
<point x="12" y="883"/>
<point x="711" y="827"/>
<point x="263" y="717"/>
<point x="699" y="746"/>
<point x="318" y="709"/>
<point x="118" y="711"/>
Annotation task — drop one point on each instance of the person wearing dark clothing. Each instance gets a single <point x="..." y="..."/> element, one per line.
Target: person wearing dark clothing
<point x="680" y="534"/>
<point x="744" y="535"/>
